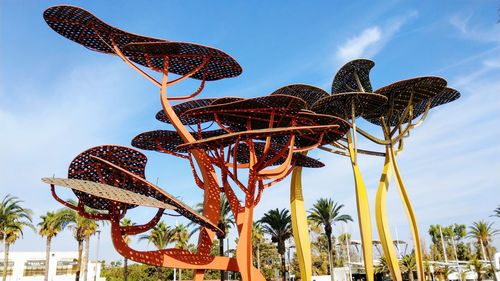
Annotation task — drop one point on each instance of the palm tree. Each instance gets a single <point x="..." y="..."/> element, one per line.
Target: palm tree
<point x="382" y="266"/>
<point x="13" y="218"/>
<point x="478" y="267"/>
<point x="326" y="212"/>
<point x="226" y="220"/>
<point x="52" y="223"/>
<point x="160" y="236"/>
<point x="278" y="225"/>
<point x="408" y="265"/>
<point x="483" y="233"/>
<point x="257" y="239"/>
<point x="82" y="228"/>
<point x="126" y="222"/>
<point x="497" y="212"/>
<point x="181" y="239"/>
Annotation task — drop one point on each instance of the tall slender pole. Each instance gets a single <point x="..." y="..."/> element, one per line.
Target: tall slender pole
<point x="97" y="254"/>
<point x="482" y="249"/>
<point x="443" y="244"/>
<point x="456" y="258"/>
<point x="397" y="242"/>
<point x="348" y="252"/>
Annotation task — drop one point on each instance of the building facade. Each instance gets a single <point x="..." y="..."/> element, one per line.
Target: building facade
<point x="30" y="266"/>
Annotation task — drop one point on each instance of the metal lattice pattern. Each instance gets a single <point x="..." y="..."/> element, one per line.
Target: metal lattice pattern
<point x="307" y="93"/>
<point x="84" y="167"/>
<point x="86" y="29"/>
<point x="99" y="190"/>
<point x="445" y="96"/>
<point x="400" y="94"/>
<point x="298" y="159"/>
<point x="256" y="110"/>
<point x="341" y="105"/>
<point x="346" y="81"/>
<point x="228" y="139"/>
<point x="180" y="108"/>
<point x="167" y="141"/>
<point x="183" y="58"/>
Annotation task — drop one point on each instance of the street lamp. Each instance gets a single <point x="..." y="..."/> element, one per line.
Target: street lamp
<point x="97" y="254"/>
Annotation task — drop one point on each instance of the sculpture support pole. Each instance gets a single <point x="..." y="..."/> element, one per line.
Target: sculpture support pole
<point x="382" y="221"/>
<point x="364" y="218"/>
<point x="244" y="249"/>
<point x="410" y="214"/>
<point x="299" y="225"/>
<point x="211" y="200"/>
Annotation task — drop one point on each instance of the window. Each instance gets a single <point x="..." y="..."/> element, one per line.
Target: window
<point x="10" y="266"/>
<point x="66" y="267"/>
<point x="34" y="268"/>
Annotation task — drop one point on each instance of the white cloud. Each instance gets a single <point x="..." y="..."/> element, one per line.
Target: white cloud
<point x="358" y="46"/>
<point x="478" y="33"/>
<point x="372" y="39"/>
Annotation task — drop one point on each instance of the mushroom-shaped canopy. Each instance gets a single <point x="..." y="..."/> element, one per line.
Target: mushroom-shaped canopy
<point x="109" y="192"/>
<point x="312" y="132"/>
<point x="257" y="111"/>
<point x="298" y="159"/>
<point x="352" y="75"/>
<point x="341" y="105"/>
<point x="275" y="111"/>
<point x="86" y="29"/>
<point x="85" y="167"/>
<point x="163" y="196"/>
<point x="121" y="168"/>
<point x="445" y="96"/>
<point x="182" y="107"/>
<point x="167" y="141"/>
<point x="402" y="94"/>
<point x="307" y="93"/>
<point x="183" y="58"/>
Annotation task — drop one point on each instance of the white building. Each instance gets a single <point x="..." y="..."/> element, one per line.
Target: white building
<point x="30" y="266"/>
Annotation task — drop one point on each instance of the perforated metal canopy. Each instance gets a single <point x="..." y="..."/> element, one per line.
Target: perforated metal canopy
<point x="108" y="192"/>
<point x="341" y="105"/>
<point x="307" y="93"/>
<point x="185" y="57"/>
<point x="352" y="75"/>
<point x="298" y="159"/>
<point x="405" y="93"/>
<point x="167" y="141"/>
<point x="84" y="167"/>
<point x="180" y="108"/>
<point x="86" y="29"/>
<point x="256" y="110"/>
<point x="227" y="139"/>
<point x="445" y="96"/>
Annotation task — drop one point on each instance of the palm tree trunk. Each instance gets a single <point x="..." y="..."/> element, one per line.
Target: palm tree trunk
<point x="258" y="256"/>
<point x="79" y="266"/>
<point x="47" y="258"/>
<point x="85" y="262"/>
<point x="221" y="253"/>
<point x="283" y="267"/>
<point x="5" y="258"/>
<point x="491" y="262"/>
<point x="125" y="268"/>
<point x="330" y="256"/>
<point x="410" y="275"/>
<point x="160" y="272"/>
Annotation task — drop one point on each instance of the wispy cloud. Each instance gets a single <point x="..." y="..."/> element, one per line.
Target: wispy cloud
<point x="467" y="30"/>
<point x="371" y="39"/>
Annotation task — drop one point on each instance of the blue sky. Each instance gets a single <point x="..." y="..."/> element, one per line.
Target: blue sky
<point x="58" y="98"/>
